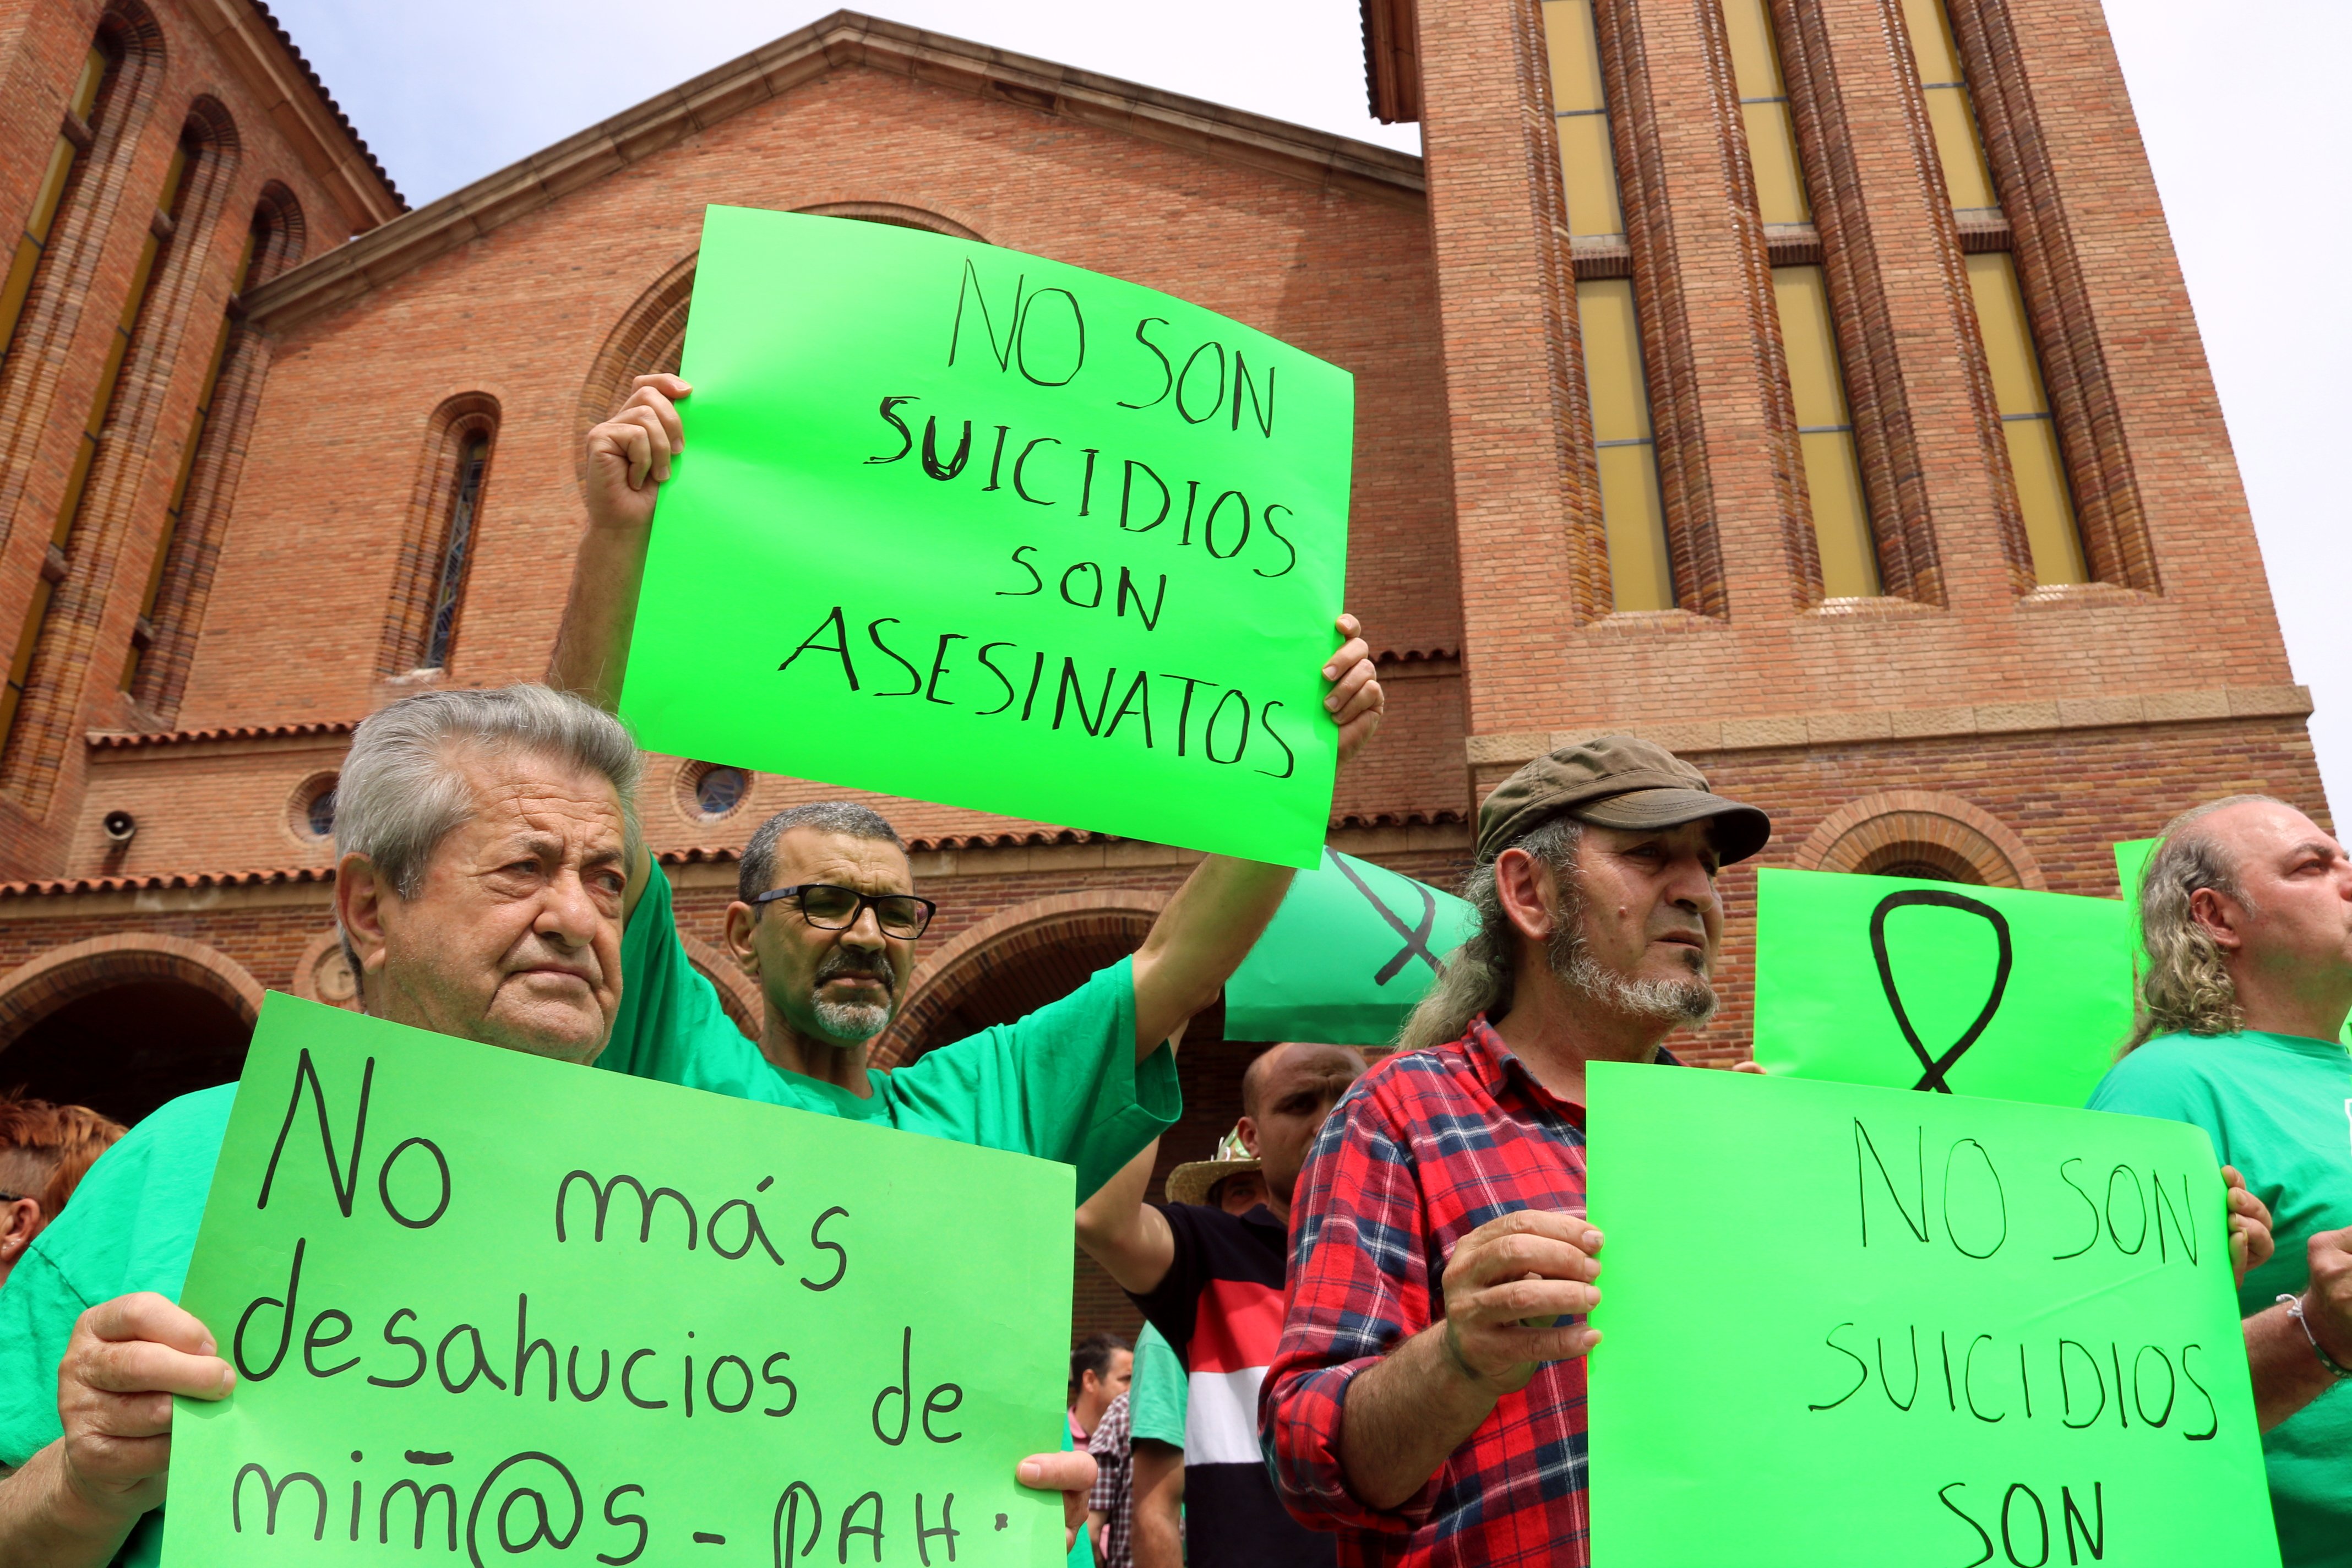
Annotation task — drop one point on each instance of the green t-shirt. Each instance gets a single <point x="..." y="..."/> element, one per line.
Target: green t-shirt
<point x="2279" y="1107"/>
<point x="1061" y="1084"/>
<point x="1155" y="1400"/>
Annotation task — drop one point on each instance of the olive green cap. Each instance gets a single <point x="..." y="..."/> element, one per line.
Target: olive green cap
<point x="1616" y="780"/>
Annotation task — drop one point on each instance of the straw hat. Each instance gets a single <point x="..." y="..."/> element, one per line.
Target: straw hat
<point x="1191" y="1182"/>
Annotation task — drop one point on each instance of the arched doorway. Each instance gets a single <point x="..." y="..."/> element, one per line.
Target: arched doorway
<point x="1014" y="964"/>
<point x="1018" y="960"/>
<point x="124" y="1023"/>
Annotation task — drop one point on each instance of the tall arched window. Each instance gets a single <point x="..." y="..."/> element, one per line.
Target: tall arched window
<point x="180" y="578"/>
<point x="1616" y="376"/>
<point x="66" y="160"/>
<point x="428" y="596"/>
<point x="2021" y="391"/>
<point x="456" y="551"/>
<point x="1839" y="508"/>
<point x="161" y="229"/>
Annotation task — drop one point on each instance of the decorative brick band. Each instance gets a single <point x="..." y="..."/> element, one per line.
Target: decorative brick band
<point x="1916" y="723"/>
<point x="32" y="991"/>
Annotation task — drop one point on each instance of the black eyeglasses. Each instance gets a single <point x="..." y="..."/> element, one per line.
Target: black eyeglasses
<point x="829" y="908"/>
<point x="14" y="1197"/>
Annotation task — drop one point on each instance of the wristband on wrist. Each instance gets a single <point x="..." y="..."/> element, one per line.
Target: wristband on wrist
<point x="2294" y="1305"/>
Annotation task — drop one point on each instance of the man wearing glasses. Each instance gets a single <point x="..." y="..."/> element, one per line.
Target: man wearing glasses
<point x="826" y="918"/>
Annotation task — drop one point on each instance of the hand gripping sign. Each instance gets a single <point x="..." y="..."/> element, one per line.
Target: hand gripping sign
<point x="487" y="1307"/>
<point x="970" y="526"/>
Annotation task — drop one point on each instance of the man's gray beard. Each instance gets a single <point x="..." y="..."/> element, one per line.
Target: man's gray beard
<point x="849" y="1022"/>
<point x="1666" y="1002"/>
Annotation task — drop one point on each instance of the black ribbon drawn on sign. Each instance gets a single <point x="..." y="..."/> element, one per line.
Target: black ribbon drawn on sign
<point x="1416" y="937"/>
<point x="1933" y="1076"/>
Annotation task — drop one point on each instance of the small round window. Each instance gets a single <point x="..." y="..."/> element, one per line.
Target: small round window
<point x="312" y="809"/>
<point x="712" y="790"/>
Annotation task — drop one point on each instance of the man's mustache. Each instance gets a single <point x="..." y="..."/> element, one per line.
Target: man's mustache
<point x="843" y="966"/>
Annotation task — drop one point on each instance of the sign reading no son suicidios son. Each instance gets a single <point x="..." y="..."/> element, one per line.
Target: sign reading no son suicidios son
<point x="491" y="1309"/>
<point x="1846" y="1327"/>
<point x="970" y="526"/>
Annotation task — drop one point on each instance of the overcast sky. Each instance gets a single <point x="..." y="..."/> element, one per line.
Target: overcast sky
<point x="2242" y="122"/>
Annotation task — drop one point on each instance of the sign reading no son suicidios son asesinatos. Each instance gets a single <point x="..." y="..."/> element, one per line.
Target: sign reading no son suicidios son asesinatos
<point x="970" y="526"/>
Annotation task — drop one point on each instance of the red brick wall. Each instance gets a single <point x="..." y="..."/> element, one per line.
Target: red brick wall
<point x="522" y="312"/>
<point x="48" y="387"/>
<point x="1515" y="392"/>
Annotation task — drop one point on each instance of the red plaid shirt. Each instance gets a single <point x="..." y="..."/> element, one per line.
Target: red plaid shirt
<point x="1426" y="1148"/>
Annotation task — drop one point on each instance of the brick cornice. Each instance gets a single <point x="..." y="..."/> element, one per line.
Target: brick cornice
<point x="125" y="740"/>
<point x="1915" y="723"/>
<point x="845" y="38"/>
<point x="245" y="36"/>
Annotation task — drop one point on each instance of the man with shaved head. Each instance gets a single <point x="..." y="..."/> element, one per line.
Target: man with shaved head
<point x="1211" y="1282"/>
<point x="2246" y="916"/>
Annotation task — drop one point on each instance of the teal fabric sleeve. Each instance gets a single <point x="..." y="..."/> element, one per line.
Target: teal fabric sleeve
<point x="1156" y="1399"/>
<point x="131" y="1227"/>
<point x="670" y="1026"/>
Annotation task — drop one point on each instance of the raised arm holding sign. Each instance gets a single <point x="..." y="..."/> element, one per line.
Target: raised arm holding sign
<point x="971" y="526"/>
<point x="811" y="1052"/>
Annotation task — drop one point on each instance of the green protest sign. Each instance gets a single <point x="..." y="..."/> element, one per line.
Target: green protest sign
<point x="1934" y="985"/>
<point x="1353" y="947"/>
<point x="1848" y="1327"/>
<point x="971" y="526"/>
<point x="2131" y="864"/>
<point x="490" y="1305"/>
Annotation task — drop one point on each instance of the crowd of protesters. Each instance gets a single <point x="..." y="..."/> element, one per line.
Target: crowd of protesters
<point x="1365" y="1315"/>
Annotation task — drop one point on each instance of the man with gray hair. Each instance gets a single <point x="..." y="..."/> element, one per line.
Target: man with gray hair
<point x="1413" y="1407"/>
<point x="483" y="840"/>
<point x="826" y="918"/>
<point x="2246" y="919"/>
<point x="483" y="844"/>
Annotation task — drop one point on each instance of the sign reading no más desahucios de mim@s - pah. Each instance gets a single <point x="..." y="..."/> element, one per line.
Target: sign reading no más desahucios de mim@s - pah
<point x="487" y="1307"/>
<point x="970" y="526"/>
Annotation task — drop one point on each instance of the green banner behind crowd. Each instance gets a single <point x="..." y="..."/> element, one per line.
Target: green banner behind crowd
<point x="1934" y="985"/>
<point x="1348" y="955"/>
<point x="487" y="1304"/>
<point x="970" y="526"/>
<point x="1848" y="1327"/>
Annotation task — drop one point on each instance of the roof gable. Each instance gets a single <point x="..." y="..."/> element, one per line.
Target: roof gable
<point x="843" y="39"/>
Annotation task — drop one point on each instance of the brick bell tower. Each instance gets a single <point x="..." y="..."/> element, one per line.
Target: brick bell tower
<point x="1826" y="404"/>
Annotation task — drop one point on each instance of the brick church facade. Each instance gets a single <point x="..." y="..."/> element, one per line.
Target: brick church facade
<point x="1807" y="384"/>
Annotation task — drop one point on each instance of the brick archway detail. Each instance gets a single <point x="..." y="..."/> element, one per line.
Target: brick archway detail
<point x="976" y="957"/>
<point x="38" y="987"/>
<point x="1921" y="824"/>
<point x="896" y="213"/>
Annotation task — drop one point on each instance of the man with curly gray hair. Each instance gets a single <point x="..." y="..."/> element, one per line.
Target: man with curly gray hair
<point x="2246" y="919"/>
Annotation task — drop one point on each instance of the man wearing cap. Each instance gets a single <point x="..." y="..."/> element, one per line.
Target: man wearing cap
<point x="1207" y="1270"/>
<point x="1411" y="1407"/>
